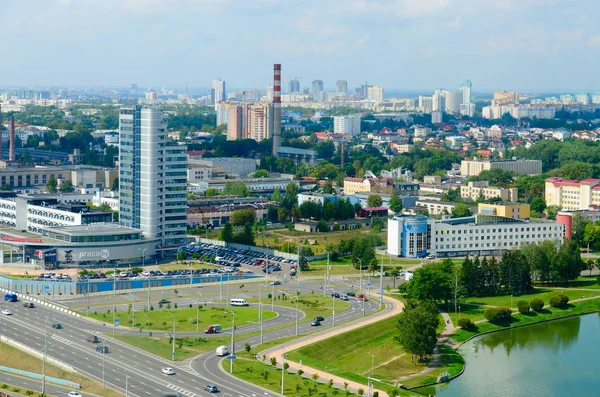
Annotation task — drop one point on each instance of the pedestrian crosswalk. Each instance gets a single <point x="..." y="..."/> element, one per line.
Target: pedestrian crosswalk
<point x="62" y="340"/>
<point x="181" y="390"/>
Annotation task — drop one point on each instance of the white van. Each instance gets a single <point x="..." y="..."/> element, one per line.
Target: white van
<point x="222" y="351"/>
<point x="238" y="302"/>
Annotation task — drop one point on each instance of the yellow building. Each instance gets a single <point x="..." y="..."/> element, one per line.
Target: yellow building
<point x="572" y="195"/>
<point x="368" y="185"/>
<point x="506" y="210"/>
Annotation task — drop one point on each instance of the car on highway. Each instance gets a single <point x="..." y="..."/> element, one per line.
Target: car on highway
<point x="276" y="283"/>
<point x="362" y="297"/>
<point x="28" y="305"/>
<point x="6" y="312"/>
<point x="74" y="394"/>
<point x="335" y="295"/>
<point x="344" y="297"/>
<point x="102" y="349"/>
<point x="168" y="371"/>
<point x="350" y="293"/>
<point x="319" y="318"/>
<point x="315" y="323"/>
<point x="93" y="339"/>
<point x="211" y="388"/>
<point x="57" y="326"/>
<point x="164" y="301"/>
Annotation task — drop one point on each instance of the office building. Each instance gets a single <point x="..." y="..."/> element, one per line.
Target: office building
<point x="505" y="210"/>
<point x="521" y="166"/>
<point x="570" y="195"/>
<point x="341" y="87"/>
<point x="407" y="236"/>
<point x="152" y="176"/>
<point x="375" y="93"/>
<point x="294" y="86"/>
<point x="476" y="190"/>
<point x="347" y="125"/>
<point x="317" y="90"/>
<point x="435" y="207"/>
<point x="217" y="91"/>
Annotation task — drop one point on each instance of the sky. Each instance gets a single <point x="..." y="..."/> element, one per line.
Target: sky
<point x="524" y="45"/>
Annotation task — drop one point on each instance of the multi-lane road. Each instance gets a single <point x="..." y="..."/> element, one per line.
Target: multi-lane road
<point x="126" y="367"/>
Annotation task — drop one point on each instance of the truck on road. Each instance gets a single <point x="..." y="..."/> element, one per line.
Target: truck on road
<point x="213" y="329"/>
<point x="222" y="351"/>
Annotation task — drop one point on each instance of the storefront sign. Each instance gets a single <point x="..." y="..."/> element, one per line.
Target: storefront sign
<point x="22" y="239"/>
<point x="104" y="254"/>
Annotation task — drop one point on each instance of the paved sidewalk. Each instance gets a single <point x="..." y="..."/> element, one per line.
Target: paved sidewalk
<point x="393" y="307"/>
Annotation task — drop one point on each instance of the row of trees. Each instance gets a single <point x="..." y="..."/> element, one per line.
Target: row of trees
<point x="329" y="211"/>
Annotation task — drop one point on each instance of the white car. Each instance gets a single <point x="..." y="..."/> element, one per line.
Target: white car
<point x="6" y="312"/>
<point x="74" y="394"/>
<point x="168" y="371"/>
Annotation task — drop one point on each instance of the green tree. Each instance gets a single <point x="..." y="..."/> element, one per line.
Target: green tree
<point x="52" y="185"/>
<point x="552" y="211"/>
<point x="461" y="210"/>
<point x="261" y="174"/>
<point x="377" y="224"/>
<point x="322" y="226"/>
<point x="395" y="203"/>
<point x="66" y="186"/>
<point x="538" y="204"/>
<point x="5" y="187"/>
<point x="276" y="196"/>
<point x="374" y="200"/>
<point x="227" y="232"/>
<point x="417" y="326"/>
<point x="328" y="187"/>
<point x="432" y="283"/>
<point x="181" y="255"/>
<point x="115" y="185"/>
<point x="329" y="210"/>
<point x="243" y="216"/>
<point x="235" y="188"/>
<point x="210" y="192"/>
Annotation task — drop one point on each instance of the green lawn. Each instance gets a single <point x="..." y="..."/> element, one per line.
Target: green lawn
<point x="162" y="319"/>
<point x="450" y="361"/>
<point x="520" y="319"/>
<point x="162" y="347"/>
<point x="311" y="304"/>
<point x="475" y="313"/>
<point x="544" y="293"/>
<point x="587" y="282"/>
<point x="348" y="355"/>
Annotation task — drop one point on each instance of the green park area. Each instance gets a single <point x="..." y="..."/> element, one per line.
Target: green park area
<point x="15" y="358"/>
<point x="161" y="344"/>
<point x="185" y="318"/>
<point x="312" y="305"/>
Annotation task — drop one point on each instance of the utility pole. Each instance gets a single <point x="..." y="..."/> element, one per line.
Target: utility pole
<point x="296" y="315"/>
<point x="232" y="339"/>
<point x="114" y="299"/>
<point x="260" y="314"/>
<point x="282" y="369"/>
<point x="173" y="353"/>
<point x="198" y="313"/>
<point x="333" y="316"/>
<point x="381" y="283"/>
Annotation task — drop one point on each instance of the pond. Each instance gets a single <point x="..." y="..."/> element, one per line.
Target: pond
<point x="557" y="358"/>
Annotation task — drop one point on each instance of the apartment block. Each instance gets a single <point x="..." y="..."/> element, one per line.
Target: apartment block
<point x="368" y="185"/>
<point x="506" y="210"/>
<point x="478" y="189"/>
<point x="570" y="195"/>
<point x="521" y="166"/>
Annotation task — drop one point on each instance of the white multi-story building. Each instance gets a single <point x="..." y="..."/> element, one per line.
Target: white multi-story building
<point x="425" y="104"/>
<point x="436" y="117"/>
<point x="375" y="93"/>
<point x="488" y="235"/>
<point x="438" y="101"/>
<point x="477" y="189"/>
<point x="452" y="101"/>
<point x="152" y="176"/>
<point x="467" y="108"/>
<point x="518" y="111"/>
<point x="222" y="111"/>
<point x="347" y="125"/>
<point x="572" y="195"/>
<point x="525" y="167"/>
<point x="422" y="132"/>
<point x="217" y="92"/>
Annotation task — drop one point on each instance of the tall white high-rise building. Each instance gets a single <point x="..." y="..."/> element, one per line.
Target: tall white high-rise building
<point x="152" y="176"/>
<point x="217" y="92"/>
<point x="453" y="101"/>
<point x="375" y="93"/>
<point x="438" y="101"/>
<point x="347" y="125"/>
<point x="466" y="108"/>
<point x="222" y="112"/>
<point x="425" y="104"/>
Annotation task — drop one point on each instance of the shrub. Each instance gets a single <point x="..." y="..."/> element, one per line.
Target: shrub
<point x="559" y="301"/>
<point x="465" y="323"/>
<point x="273" y="361"/>
<point x="523" y="307"/>
<point x="537" y="304"/>
<point x="497" y="314"/>
<point x="247" y="347"/>
<point x="300" y="372"/>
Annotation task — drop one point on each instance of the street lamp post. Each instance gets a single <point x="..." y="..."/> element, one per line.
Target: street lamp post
<point x="198" y="313"/>
<point x="260" y="314"/>
<point x="133" y="310"/>
<point x="173" y="351"/>
<point x="232" y="339"/>
<point x="45" y="357"/>
<point x="114" y="299"/>
<point x="296" y="315"/>
<point x="272" y="296"/>
<point x="87" y="290"/>
<point x="282" y="369"/>
<point x="126" y="385"/>
<point x="333" y="311"/>
<point x="381" y="283"/>
<point x="267" y="270"/>
<point x="371" y="377"/>
<point x="221" y="289"/>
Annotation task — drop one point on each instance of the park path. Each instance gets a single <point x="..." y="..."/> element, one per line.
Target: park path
<point x="394" y="307"/>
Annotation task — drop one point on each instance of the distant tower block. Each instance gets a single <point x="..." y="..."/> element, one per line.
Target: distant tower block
<point x="11" y="149"/>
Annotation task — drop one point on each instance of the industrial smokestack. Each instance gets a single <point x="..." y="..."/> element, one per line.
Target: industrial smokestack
<point x="276" y="108"/>
<point x="0" y="132"/>
<point x="11" y="150"/>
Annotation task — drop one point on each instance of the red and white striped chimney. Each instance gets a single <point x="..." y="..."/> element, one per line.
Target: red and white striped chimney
<point x="276" y="108"/>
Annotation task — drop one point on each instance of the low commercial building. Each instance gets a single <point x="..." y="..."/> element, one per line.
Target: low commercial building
<point x="368" y="185"/>
<point x="408" y="236"/>
<point x="219" y="215"/>
<point x="256" y="185"/>
<point x="571" y="195"/>
<point x="520" y="166"/>
<point x="81" y="176"/>
<point x="434" y="207"/>
<point x="506" y="210"/>
<point x="232" y="165"/>
<point x="476" y="190"/>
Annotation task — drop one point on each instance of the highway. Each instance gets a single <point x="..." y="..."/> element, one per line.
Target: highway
<point x="143" y="370"/>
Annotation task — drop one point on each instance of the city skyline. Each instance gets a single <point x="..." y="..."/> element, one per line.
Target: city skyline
<point x="404" y="45"/>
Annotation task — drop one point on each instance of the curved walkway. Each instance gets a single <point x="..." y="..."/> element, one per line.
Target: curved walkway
<point x="393" y="307"/>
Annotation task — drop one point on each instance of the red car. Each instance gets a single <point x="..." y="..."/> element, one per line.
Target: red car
<point x="361" y="297"/>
